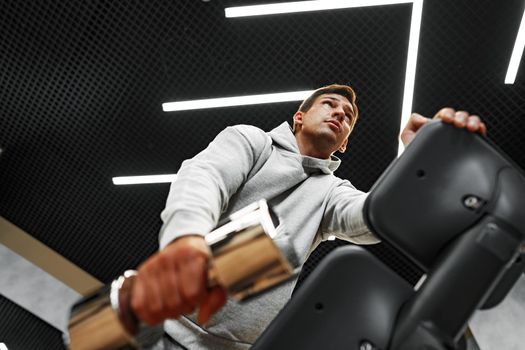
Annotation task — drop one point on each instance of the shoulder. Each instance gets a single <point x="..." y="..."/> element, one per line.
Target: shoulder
<point x="253" y="135"/>
<point x="332" y="183"/>
<point x="247" y="129"/>
<point x="342" y="184"/>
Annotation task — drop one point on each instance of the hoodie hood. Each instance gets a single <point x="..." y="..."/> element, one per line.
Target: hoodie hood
<point x="283" y="137"/>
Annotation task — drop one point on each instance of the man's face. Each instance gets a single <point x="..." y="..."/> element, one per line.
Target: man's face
<point x="329" y="122"/>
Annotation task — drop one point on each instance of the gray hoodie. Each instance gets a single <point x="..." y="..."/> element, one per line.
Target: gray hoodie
<point x="240" y="166"/>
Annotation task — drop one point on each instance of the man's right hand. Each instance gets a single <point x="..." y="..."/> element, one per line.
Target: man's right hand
<point x="172" y="283"/>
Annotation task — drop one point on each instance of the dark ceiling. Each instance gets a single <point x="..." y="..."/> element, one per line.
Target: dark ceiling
<point x="82" y="85"/>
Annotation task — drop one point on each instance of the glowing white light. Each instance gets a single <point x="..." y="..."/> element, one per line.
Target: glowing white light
<point x="517" y="52"/>
<point x="331" y="238"/>
<point x="147" y="179"/>
<point x="304" y="6"/>
<point x="236" y="101"/>
<point x="3" y="346"/>
<point x="419" y="283"/>
<point x="410" y="74"/>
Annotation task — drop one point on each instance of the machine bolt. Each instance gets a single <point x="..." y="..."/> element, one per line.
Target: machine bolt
<point x="472" y="202"/>
<point x="366" y="345"/>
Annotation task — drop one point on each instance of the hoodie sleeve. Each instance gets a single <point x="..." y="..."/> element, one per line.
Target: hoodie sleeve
<point x="206" y="182"/>
<point x="343" y="217"/>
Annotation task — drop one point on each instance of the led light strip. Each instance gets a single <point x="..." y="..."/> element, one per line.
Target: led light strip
<point x="147" y="179"/>
<point x="236" y="101"/>
<point x="410" y="73"/>
<point x="517" y="52"/>
<point x="304" y="6"/>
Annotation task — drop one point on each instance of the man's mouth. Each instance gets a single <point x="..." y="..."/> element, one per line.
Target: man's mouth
<point x="335" y="123"/>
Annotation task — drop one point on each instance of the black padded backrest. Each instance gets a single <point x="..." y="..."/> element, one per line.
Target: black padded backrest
<point x="419" y="204"/>
<point x="350" y="297"/>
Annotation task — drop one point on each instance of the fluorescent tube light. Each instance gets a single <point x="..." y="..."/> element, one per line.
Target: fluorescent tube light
<point x="304" y="6"/>
<point x="410" y="74"/>
<point x="517" y="52"/>
<point x="147" y="179"/>
<point x="235" y="101"/>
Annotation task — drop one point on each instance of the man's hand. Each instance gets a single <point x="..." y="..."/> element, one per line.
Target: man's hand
<point x="173" y="282"/>
<point x="460" y="119"/>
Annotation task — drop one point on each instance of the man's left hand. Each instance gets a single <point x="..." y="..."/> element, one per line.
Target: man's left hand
<point x="460" y="119"/>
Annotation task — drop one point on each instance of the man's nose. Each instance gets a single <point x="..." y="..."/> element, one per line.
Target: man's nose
<point x="339" y="113"/>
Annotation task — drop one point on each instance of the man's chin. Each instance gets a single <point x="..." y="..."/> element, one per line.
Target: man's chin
<point x="328" y="139"/>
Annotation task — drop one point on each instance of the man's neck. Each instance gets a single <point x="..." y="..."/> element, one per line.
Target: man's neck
<point x="307" y="148"/>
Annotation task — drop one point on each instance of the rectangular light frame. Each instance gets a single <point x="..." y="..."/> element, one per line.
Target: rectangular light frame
<point x="517" y="53"/>
<point x="304" y="6"/>
<point x="320" y="5"/>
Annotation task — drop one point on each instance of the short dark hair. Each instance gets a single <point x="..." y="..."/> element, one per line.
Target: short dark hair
<point x="343" y="90"/>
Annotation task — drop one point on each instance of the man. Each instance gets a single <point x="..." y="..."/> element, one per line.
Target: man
<point x="291" y="169"/>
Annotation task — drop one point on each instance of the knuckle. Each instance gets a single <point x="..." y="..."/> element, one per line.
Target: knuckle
<point x="188" y="252"/>
<point x="149" y="266"/>
<point x="164" y="260"/>
<point x="193" y="294"/>
<point x="143" y="268"/>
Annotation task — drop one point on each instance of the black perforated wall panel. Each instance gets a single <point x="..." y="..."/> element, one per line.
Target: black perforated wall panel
<point x="84" y="83"/>
<point x="464" y="55"/>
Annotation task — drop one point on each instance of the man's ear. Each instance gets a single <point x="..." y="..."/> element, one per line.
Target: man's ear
<point x="342" y="148"/>
<point x="297" y="120"/>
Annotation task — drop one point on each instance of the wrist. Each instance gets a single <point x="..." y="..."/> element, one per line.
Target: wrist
<point x="195" y="241"/>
